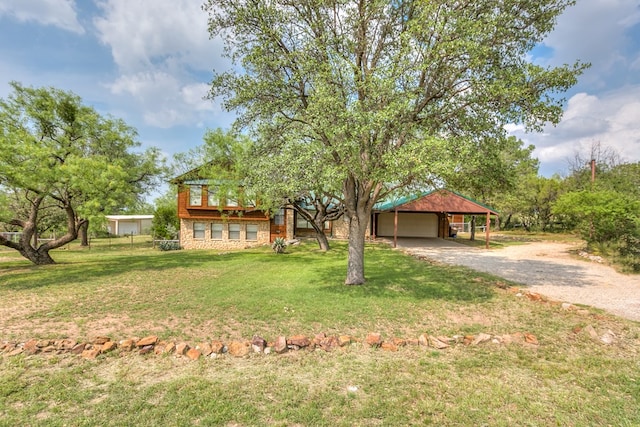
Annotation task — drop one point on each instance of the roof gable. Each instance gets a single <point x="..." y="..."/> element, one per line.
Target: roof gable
<point x="437" y="201"/>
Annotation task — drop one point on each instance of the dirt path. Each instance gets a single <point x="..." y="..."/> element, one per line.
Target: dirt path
<point x="549" y="269"/>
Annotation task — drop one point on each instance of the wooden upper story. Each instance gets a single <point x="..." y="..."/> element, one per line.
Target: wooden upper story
<point x="199" y="199"/>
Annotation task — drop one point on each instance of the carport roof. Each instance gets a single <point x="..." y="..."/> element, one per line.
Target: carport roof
<point x="436" y="201"/>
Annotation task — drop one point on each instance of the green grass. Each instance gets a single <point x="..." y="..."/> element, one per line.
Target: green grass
<point x="124" y="290"/>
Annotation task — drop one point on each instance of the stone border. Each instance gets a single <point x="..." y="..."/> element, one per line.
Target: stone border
<point x="153" y="345"/>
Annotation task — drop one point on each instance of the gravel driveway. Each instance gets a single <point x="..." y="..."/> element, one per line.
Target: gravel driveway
<point x="546" y="268"/>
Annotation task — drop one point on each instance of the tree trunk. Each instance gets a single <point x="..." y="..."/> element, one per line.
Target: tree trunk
<point x="359" y="199"/>
<point x="355" y="263"/>
<point x="39" y="255"/>
<point x="473" y="228"/>
<point x="83" y="233"/>
<point x="323" y="241"/>
<point x="507" y="222"/>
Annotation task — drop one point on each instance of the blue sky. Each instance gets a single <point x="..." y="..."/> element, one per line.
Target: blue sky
<point x="149" y="62"/>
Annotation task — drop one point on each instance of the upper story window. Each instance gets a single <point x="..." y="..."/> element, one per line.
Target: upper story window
<point x="217" y="198"/>
<point x="212" y="197"/>
<point x="195" y="195"/>
<point x="231" y="202"/>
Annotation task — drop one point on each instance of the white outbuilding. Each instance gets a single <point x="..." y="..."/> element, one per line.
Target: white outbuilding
<point x="122" y="225"/>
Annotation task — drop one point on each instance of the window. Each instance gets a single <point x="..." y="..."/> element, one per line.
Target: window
<point x="216" y="231"/>
<point x="278" y="218"/>
<point x="232" y="202"/>
<point x="195" y="195"/>
<point x="234" y="231"/>
<point x="303" y="223"/>
<point x="198" y="230"/>
<point x="252" y="231"/>
<point x="212" y="197"/>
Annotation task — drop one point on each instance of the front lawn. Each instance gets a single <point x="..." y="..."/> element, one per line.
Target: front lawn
<point x="122" y="291"/>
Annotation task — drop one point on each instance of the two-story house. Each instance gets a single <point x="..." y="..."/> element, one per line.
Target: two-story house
<point x="212" y="219"/>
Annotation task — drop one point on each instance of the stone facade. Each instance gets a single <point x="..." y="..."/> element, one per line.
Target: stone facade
<point x="340" y="229"/>
<point x="188" y="241"/>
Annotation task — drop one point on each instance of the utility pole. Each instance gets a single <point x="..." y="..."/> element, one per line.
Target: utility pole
<point x="593" y="180"/>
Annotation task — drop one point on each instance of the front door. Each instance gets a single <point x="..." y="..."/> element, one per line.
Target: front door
<point x="278" y="225"/>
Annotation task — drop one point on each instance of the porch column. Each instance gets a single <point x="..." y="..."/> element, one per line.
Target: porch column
<point x="395" y="229"/>
<point x="487" y="231"/>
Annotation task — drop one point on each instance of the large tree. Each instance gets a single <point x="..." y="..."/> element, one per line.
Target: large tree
<point x="387" y="91"/>
<point x="57" y="154"/>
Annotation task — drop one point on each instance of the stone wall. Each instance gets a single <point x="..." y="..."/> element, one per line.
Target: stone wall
<point x="340" y="229"/>
<point x="187" y="241"/>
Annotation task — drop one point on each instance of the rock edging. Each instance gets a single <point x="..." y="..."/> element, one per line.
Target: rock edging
<point x="216" y="348"/>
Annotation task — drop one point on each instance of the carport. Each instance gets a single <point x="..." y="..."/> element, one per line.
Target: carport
<point x="425" y="215"/>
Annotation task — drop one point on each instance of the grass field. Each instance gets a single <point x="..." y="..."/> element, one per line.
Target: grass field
<point x="123" y="290"/>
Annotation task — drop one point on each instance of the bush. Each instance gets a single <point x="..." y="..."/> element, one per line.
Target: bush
<point x="279" y="245"/>
<point x="169" y="245"/>
<point x="630" y="251"/>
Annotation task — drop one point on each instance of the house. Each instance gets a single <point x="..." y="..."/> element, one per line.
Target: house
<point x="210" y="219"/>
<point x="429" y="214"/>
<point x="121" y="225"/>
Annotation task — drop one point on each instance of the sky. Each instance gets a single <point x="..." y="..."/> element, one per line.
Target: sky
<point x="149" y="62"/>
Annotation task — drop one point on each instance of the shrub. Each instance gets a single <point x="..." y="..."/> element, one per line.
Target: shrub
<point x="630" y="251"/>
<point x="169" y="245"/>
<point x="279" y="245"/>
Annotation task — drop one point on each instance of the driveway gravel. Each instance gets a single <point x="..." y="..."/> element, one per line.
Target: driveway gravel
<point x="547" y="268"/>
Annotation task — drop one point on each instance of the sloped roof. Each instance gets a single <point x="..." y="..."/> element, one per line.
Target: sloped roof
<point x="128" y="217"/>
<point x="436" y="201"/>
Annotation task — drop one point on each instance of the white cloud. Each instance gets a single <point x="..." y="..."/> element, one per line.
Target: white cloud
<point x="610" y="118"/>
<point x="595" y="31"/>
<point x="164" y="54"/>
<point x="162" y="33"/>
<point x="59" y="13"/>
<point x="164" y="99"/>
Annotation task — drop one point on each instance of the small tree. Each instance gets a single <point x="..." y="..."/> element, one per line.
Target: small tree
<point x="602" y="215"/>
<point x="59" y="155"/>
<point x="165" y="223"/>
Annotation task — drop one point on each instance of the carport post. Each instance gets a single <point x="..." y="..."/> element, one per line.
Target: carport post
<point x="395" y="229"/>
<point x="487" y="231"/>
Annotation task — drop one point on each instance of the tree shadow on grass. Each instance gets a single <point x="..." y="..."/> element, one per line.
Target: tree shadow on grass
<point x="22" y="276"/>
<point x="390" y="274"/>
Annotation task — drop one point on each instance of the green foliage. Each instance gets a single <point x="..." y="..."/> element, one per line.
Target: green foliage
<point x="385" y="94"/>
<point x="165" y="223"/>
<point x="602" y="215"/>
<point x="60" y="155"/>
<point x="169" y="245"/>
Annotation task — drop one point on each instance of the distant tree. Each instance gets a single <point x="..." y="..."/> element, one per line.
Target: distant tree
<point x="493" y="169"/>
<point x="496" y="174"/>
<point x="59" y="155"/>
<point x="602" y="215"/>
<point x="386" y="91"/>
<point x="165" y="223"/>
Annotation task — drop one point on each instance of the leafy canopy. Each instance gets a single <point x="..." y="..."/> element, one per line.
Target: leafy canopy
<point x="58" y="154"/>
<point x="385" y="92"/>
